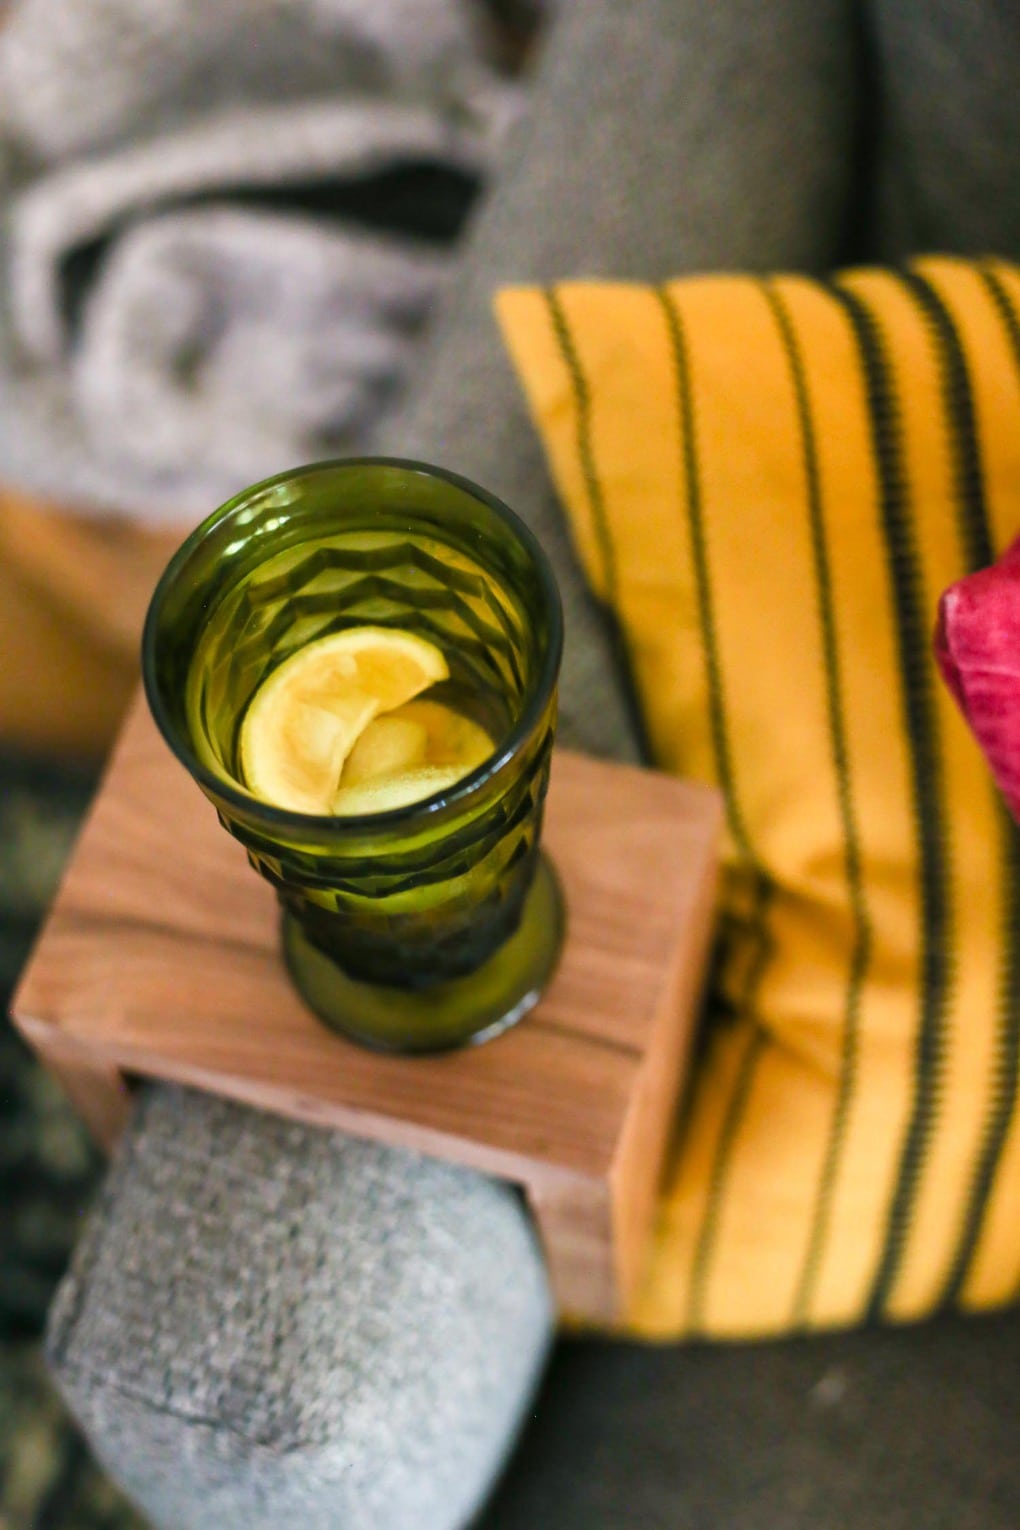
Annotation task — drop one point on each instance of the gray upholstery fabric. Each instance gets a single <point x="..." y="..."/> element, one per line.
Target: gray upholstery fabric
<point x="912" y="1429"/>
<point x="946" y="145"/>
<point x="233" y="1367"/>
<point x="270" y="1324"/>
<point x="653" y="130"/>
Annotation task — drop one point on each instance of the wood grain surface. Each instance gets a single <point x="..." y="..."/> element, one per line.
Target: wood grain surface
<point x="160" y="958"/>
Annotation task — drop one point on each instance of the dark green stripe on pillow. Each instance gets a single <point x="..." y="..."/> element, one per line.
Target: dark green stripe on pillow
<point x="735" y="818"/>
<point x="913" y="623"/>
<point x="961" y="427"/>
<point x="1004" y="304"/>
<point x="1008" y="1080"/>
<point x="977" y="537"/>
<point x="861" y="944"/>
<point x="586" y="454"/>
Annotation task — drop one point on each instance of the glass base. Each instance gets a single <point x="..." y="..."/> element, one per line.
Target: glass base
<point x="461" y="1012"/>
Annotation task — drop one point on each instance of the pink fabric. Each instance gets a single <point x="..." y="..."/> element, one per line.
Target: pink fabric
<point x="977" y="646"/>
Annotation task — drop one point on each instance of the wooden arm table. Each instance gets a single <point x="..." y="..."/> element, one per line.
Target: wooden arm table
<point x="160" y="959"/>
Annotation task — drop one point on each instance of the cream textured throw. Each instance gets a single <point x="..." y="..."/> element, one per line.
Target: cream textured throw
<point x="214" y="261"/>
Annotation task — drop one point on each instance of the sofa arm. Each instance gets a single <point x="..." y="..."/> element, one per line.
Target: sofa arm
<point x="267" y="1323"/>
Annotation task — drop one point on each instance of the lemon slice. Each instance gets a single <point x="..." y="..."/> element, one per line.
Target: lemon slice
<point x="389" y="744"/>
<point x="410" y="753"/>
<point x="450" y="737"/>
<point x="304" y="720"/>
<point x="384" y="793"/>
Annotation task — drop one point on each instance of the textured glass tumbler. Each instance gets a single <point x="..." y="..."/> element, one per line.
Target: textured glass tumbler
<point x="435" y="923"/>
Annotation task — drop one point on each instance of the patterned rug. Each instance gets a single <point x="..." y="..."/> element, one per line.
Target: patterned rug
<point x="48" y="1169"/>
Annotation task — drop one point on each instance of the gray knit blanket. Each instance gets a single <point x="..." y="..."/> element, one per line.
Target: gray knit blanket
<point x="225" y="224"/>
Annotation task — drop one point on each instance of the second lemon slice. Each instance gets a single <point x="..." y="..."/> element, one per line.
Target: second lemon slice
<point x="384" y="793"/>
<point x="413" y="752"/>
<point x="306" y="717"/>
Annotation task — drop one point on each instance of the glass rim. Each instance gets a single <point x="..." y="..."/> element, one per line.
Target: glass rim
<point x="535" y="696"/>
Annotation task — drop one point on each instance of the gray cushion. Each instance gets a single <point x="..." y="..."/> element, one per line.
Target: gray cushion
<point x="269" y="1323"/>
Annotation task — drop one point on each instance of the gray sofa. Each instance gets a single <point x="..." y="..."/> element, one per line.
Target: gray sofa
<point x="267" y="1324"/>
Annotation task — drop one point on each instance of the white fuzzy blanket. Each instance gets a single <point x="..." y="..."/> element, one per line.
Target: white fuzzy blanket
<point x="181" y="310"/>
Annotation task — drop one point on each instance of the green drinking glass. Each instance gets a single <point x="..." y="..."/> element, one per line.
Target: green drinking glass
<point x="439" y="922"/>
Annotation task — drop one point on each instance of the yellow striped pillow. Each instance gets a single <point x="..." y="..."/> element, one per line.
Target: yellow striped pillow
<point x="770" y="482"/>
